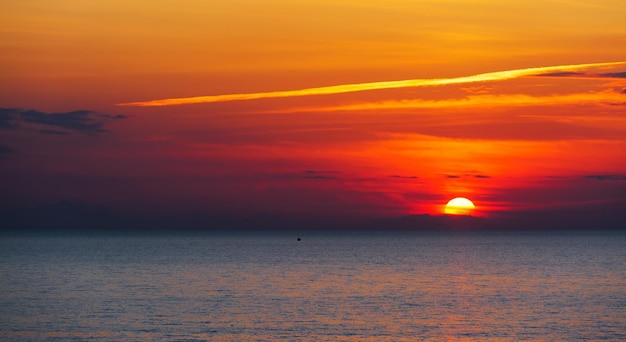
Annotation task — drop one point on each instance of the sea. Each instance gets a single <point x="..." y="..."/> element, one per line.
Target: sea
<point x="313" y="286"/>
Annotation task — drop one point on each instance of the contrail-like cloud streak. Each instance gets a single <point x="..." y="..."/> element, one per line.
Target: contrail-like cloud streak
<point x="350" y="88"/>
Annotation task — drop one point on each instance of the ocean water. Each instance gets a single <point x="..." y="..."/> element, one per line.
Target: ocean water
<point x="343" y="286"/>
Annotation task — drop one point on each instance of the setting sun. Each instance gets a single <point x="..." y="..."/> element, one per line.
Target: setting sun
<point x="341" y="169"/>
<point x="459" y="206"/>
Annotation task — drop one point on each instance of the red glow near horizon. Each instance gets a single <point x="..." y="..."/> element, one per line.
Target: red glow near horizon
<point x="303" y="110"/>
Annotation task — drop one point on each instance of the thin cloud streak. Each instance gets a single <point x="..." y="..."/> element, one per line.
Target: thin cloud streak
<point x="349" y="88"/>
<point x="477" y="100"/>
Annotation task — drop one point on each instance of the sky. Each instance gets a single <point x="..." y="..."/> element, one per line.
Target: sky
<point x="190" y="112"/>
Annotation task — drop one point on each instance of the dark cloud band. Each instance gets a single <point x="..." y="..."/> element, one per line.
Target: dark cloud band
<point x="77" y="121"/>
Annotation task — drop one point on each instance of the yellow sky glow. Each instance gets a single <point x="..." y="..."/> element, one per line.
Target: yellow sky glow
<point x="474" y="101"/>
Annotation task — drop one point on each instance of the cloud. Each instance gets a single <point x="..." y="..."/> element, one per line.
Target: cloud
<point x="584" y="74"/>
<point x="607" y="177"/>
<point x="315" y="174"/>
<point x="564" y="74"/>
<point x="319" y="172"/>
<point x="8" y="118"/>
<point x="615" y="75"/>
<point x="78" y="121"/>
<point x="356" y="87"/>
<point x="485" y="101"/>
<point x="4" y="152"/>
<point x="321" y="177"/>
<point x="52" y="132"/>
<point x="473" y="175"/>
<point x="403" y="177"/>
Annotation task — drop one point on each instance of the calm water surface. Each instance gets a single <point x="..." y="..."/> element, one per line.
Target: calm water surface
<point x="349" y="286"/>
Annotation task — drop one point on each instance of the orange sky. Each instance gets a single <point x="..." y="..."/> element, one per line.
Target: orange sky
<point x="546" y="138"/>
<point x="133" y="50"/>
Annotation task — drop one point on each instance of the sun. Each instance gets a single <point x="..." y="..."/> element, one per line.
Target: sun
<point x="459" y="206"/>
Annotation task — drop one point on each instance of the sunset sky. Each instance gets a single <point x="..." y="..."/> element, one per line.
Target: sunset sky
<point x="314" y="109"/>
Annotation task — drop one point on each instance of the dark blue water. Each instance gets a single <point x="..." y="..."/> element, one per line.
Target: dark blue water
<point x="328" y="286"/>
